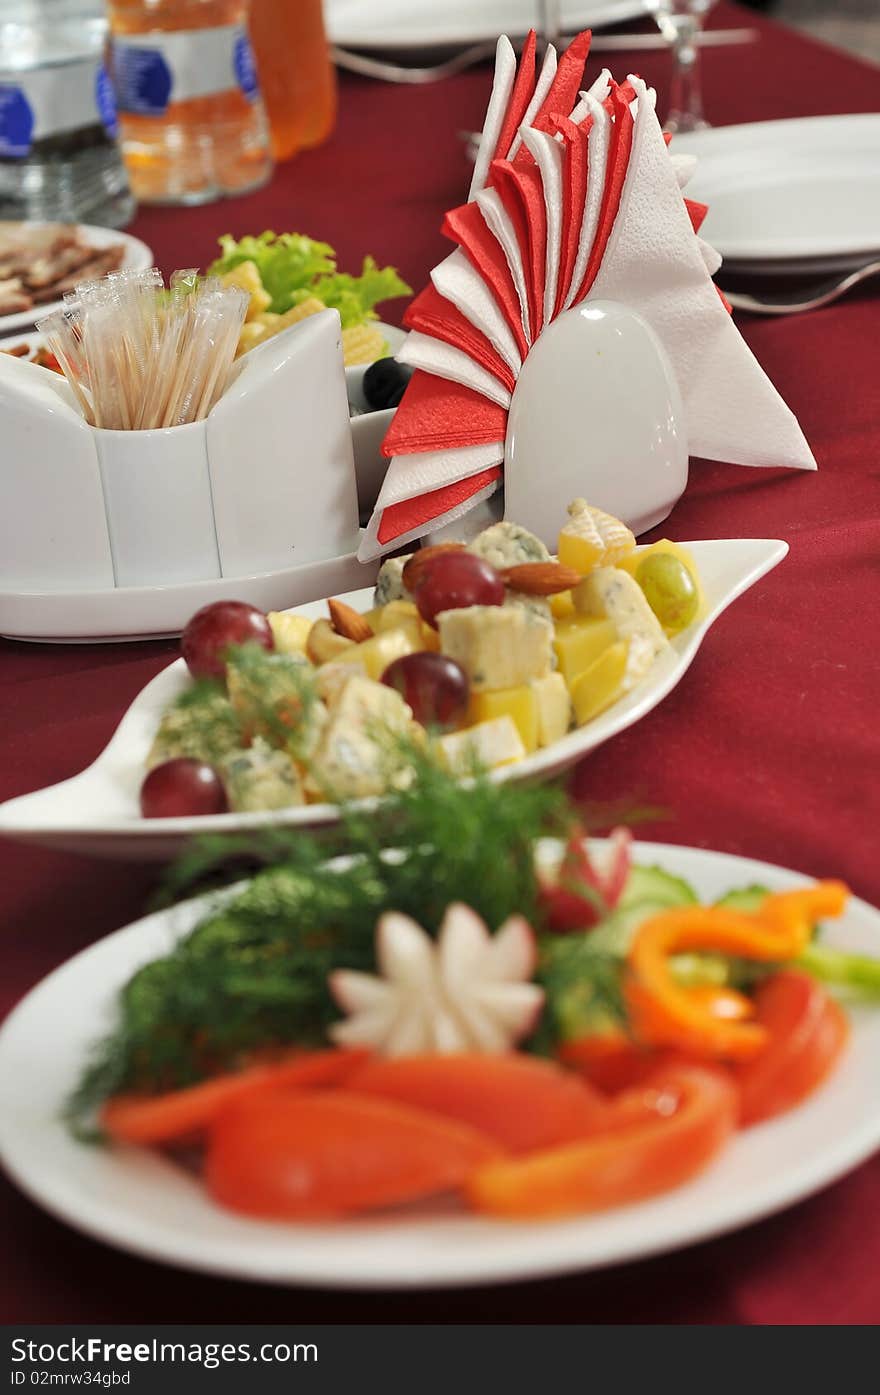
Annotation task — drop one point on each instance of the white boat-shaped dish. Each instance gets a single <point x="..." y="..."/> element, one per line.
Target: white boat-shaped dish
<point x="96" y="812"/>
<point x="140" y="1202"/>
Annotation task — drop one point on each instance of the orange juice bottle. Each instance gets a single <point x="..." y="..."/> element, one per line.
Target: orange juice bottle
<point x="191" y="117"/>
<point x="296" y="76"/>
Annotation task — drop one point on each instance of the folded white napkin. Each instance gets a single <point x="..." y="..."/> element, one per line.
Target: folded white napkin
<point x="575" y="196"/>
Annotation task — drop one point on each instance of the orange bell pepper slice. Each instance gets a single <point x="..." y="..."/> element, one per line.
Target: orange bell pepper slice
<point x="717" y="1022"/>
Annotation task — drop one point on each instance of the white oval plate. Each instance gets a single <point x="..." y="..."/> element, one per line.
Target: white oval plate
<point x="804" y="190"/>
<point x="137" y="256"/>
<point x="401" y="24"/>
<point x="138" y="1201"/>
<point x="96" y="812"/>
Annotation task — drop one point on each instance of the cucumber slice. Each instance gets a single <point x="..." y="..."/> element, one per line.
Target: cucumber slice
<point x="746" y="898"/>
<point x="653" y="884"/>
<point x="616" y="932"/>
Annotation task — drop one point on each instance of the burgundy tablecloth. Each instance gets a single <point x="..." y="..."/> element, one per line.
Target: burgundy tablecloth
<point x="768" y="748"/>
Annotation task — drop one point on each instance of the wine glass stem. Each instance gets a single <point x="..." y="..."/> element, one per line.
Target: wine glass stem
<point x="685" y="95"/>
<point x="549" y="22"/>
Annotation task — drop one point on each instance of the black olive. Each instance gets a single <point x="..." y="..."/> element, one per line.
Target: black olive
<point x="385" y="382"/>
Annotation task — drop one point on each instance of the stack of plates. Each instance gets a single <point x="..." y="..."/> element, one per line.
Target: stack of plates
<point x="390" y="24"/>
<point x="790" y="198"/>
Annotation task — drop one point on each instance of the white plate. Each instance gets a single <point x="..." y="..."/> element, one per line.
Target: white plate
<point x="401" y="24"/>
<point x="137" y="256"/>
<point x="138" y="1201"/>
<point x="805" y="190"/>
<point x="96" y="812"/>
<point x="122" y="613"/>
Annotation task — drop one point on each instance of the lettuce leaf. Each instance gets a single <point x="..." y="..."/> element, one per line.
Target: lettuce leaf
<point x="355" y="297"/>
<point x="293" y="267"/>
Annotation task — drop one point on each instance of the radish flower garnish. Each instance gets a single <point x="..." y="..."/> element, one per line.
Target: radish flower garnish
<point x="466" y="990"/>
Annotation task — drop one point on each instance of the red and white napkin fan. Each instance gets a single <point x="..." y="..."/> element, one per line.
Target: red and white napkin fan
<point x="575" y="212"/>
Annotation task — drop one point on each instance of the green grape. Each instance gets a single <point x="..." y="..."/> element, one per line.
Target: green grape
<point x="669" y="588"/>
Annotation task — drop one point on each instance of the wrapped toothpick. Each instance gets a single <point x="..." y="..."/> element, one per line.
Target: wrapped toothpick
<point x="141" y="357"/>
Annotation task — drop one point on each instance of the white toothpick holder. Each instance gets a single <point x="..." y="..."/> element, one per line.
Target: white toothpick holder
<point x="265" y="482"/>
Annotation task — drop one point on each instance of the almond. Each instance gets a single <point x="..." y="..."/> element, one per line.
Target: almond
<point x="414" y="571"/>
<point x="540" y="578"/>
<point x="348" y="622"/>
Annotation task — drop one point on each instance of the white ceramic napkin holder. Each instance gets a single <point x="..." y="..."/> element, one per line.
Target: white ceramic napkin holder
<point x="265" y="482"/>
<point x="597" y="414"/>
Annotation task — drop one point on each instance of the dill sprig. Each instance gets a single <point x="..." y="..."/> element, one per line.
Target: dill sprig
<point x="253" y="973"/>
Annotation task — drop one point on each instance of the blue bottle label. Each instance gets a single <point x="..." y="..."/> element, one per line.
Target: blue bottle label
<point x="16" y="122"/>
<point x="106" y="102"/>
<point x="245" y="66"/>
<point x="141" y="79"/>
<point x="152" y="70"/>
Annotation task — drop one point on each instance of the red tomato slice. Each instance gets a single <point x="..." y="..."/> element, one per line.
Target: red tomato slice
<point x="610" y="1061"/>
<point x="521" y="1101"/>
<point x="637" y="1159"/>
<point x="807" y="1031"/>
<point x="184" y="1113"/>
<point x="286" y="1155"/>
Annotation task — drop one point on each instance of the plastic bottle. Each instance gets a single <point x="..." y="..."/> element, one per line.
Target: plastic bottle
<point x="297" y="77"/>
<point x="191" y="116"/>
<point x="59" y="160"/>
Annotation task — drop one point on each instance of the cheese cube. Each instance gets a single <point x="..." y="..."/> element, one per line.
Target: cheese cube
<point x="508" y="545"/>
<point x="290" y="632"/>
<point x="554" y="708"/>
<point x="562" y="605"/>
<point x="402" y="615"/>
<point x="579" y="642"/>
<point x="360" y="753"/>
<point x="482" y="747"/>
<point x="260" y="778"/>
<point x="520" y="704"/>
<point x="497" y="646"/>
<point x="389" y="582"/>
<point x="377" y="653"/>
<point x="614" y="594"/>
<point x="601" y="684"/>
<point x="331" y="678"/>
<point x="592" y="538"/>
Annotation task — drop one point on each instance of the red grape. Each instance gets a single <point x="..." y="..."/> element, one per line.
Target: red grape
<point x="454" y="580"/>
<point x="181" y="787"/>
<point x="215" y="628"/>
<point x="435" y="687"/>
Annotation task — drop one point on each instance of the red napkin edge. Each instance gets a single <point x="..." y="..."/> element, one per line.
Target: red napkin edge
<point x="401" y="518"/>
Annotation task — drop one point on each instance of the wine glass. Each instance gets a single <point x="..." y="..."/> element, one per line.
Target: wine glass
<point x="549" y="23"/>
<point x="680" y="22"/>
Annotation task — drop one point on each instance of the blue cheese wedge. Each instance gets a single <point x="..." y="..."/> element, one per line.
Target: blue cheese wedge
<point x="261" y="778"/>
<point x="389" y="582"/>
<point x="359" y="754"/>
<point x="508" y="545"/>
<point x="201" y="725"/>
<point x="614" y="595"/>
<point x="497" y="646"/>
<point x="484" y="746"/>
<point x="536" y="605"/>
